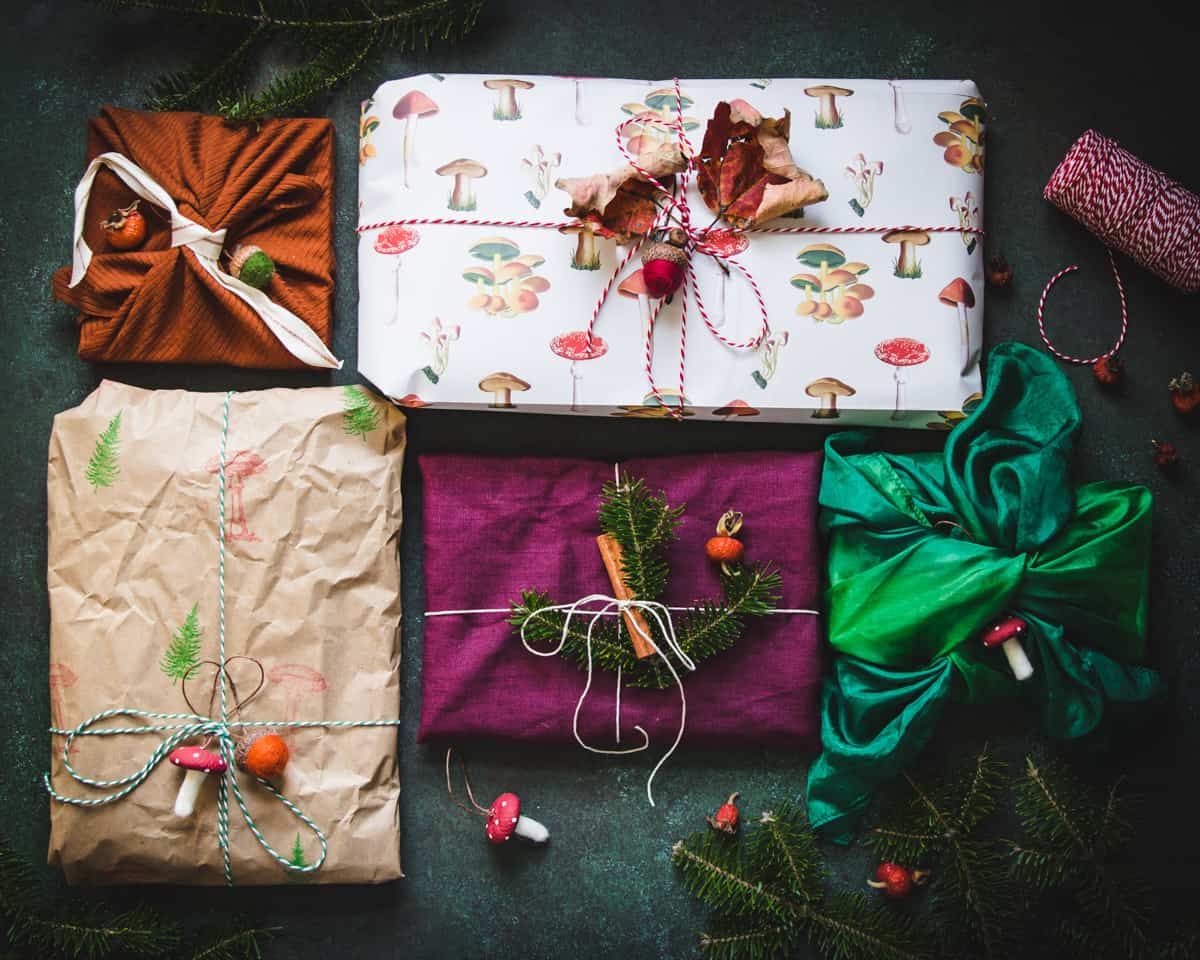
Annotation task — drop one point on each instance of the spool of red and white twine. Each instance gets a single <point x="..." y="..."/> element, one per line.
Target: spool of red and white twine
<point x="1131" y="207"/>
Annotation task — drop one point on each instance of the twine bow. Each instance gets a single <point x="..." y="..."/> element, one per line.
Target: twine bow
<point x="190" y="726"/>
<point x="610" y="606"/>
<point x="296" y="336"/>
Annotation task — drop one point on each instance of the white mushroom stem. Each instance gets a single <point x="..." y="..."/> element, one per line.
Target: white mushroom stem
<point x="189" y="790"/>
<point x="896" y="414"/>
<point x="644" y="306"/>
<point x="576" y="376"/>
<point x="410" y="139"/>
<point x="460" y="198"/>
<point x="965" y="338"/>
<point x="581" y="117"/>
<point x="902" y="122"/>
<point x="1017" y="660"/>
<point x="531" y="829"/>
<point x="396" y="307"/>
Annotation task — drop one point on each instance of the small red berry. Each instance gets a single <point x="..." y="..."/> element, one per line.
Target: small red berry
<point x="894" y="880"/>
<point x="725" y="820"/>
<point x="1185" y="395"/>
<point x="1108" y="371"/>
<point x="725" y="550"/>
<point x="1165" y="454"/>
<point x="125" y="228"/>
<point x="999" y="273"/>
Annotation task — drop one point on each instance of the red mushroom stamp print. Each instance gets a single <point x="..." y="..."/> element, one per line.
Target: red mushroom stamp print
<point x="391" y="242"/>
<point x="959" y="295"/>
<point x="300" y="683"/>
<point x="963" y="140"/>
<point x="538" y="166"/>
<point x="899" y="353"/>
<point x="61" y="677"/>
<point x="576" y="346"/>
<point x="833" y="293"/>
<point x="243" y="464"/>
<point x="724" y="243"/>
<point x="507" y="107"/>
<point x="508" y="285"/>
<point x="411" y="108"/>
<point x="438" y="337"/>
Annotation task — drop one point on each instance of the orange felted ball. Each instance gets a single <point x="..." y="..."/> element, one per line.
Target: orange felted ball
<point x="264" y="754"/>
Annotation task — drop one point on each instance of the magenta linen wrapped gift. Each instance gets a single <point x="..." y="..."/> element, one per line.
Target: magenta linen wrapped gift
<point x="496" y="526"/>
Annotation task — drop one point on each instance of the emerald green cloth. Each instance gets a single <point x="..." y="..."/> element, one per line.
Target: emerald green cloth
<point x="927" y="550"/>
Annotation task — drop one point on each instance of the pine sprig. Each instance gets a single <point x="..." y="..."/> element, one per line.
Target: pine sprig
<point x="103" y="466"/>
<point x="1075" y="838"/>
<point x="336" y="40"/>
<point x="642" y="522"/>
<point x="244" y="942"/>
<point x="183" y="653"/>
<point x="766" y="895"/>
<point x="931" y="821"/>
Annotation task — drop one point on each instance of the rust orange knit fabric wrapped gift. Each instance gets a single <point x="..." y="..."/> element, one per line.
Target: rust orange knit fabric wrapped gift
<point x="269" y="184"/>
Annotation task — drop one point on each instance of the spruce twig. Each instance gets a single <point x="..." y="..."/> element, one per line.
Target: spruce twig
<point x="335" y="38"/>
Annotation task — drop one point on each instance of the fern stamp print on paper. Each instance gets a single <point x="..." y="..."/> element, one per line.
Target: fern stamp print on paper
<point x="360" y="416"/>
<point x="183" y="652"/>
<point x="104" y="467"/>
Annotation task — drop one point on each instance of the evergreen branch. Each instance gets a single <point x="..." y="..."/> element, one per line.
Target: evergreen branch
<point x="846" y="926"/>
<point x="766" y="943"/>
<point x="187" y="89"/>
<point x="713" y="872"/>
<point x="643" y="524"/>
<point x="784" y="851"/>
<point x="241" y="944"/>
<point x="411" y="17"/>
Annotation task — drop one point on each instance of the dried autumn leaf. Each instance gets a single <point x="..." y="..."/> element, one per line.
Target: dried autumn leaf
<point x="745" y="171"/>
<point x="623" y="200"/>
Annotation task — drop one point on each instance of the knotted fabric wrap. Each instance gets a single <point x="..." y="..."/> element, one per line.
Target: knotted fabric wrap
<point x="207" y="186"/>
<point x="909" y="597"/>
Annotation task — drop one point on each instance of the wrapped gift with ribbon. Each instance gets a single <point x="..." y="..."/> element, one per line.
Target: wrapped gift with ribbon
<point x="169" y="213"/>
<point x="976" y="575"/>
<point x="530" y="525"/>
<point x="224" y="639"/>
<point x="787" y="249"/>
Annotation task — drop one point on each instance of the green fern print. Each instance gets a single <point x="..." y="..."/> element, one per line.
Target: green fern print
<point x="297" y="858"/>
<point x="361" y="416"/>
<point x="103" y="468"/>
<point x="183" y="653"/>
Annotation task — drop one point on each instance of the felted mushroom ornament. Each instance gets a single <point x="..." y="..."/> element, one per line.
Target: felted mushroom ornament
<point x="1006" y="634"/>
<point x="198" y="763"/>
<point x="504" y="820"/>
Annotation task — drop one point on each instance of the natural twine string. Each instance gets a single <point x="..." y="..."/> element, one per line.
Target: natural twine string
<point x="195" y="726"/>
<point x="674" y="211"/>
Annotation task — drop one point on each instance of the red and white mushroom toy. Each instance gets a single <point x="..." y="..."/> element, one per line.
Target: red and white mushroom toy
<point x="504" y="819"/>
<point x="1006" y="634"/>
<point x="576" y="346"/>
<point x="901" y="352"/>
<point x="198" y="763"/>
<point x="391" y="242"/>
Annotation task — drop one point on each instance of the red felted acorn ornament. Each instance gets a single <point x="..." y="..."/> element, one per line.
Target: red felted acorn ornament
<point x="664" y="264"/>
<point x="725" y="820"/>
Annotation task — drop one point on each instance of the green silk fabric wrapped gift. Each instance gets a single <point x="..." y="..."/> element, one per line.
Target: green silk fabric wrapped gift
<point x="927" y="550"/>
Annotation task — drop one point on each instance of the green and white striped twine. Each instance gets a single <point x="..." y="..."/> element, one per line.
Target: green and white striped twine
<point x="193" y="726"/>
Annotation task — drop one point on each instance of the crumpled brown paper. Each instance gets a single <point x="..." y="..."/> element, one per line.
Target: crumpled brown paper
<point x="312" y="590"/>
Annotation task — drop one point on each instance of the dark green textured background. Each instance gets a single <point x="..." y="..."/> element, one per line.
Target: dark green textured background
<point x="604" y="886"/>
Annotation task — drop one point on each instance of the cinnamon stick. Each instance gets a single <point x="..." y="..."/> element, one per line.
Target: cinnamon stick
<point x="635" y="623"/>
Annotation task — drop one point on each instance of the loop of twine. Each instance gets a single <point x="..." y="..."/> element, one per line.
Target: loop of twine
<point x="675" y="210"/>
<point x="195" y="726"/>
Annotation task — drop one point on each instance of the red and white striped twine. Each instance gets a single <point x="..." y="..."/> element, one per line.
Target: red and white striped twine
<point x="1129" y="206"/>
<point x="673" y="212"/>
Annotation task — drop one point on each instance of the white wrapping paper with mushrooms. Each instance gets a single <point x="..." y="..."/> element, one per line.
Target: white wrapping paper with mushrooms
<point x="514" y="253"/>
<point x="311" y="506"/>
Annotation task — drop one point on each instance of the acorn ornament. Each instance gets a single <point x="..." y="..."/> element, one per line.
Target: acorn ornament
<point x="664" y="264"/>
<point x="897" y="881"/>
<point x="264" y="754"/>
<point x="1185" y="394"/>
<point x="251" y="265"/>
<point x="1108" y="371"/>
<point x="725" y="820"/>
<point x="725" y="548"/>
<point x="998" y="272"/>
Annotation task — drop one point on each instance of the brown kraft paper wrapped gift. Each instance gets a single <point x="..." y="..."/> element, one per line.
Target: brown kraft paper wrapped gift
<point x="312" y="591"/>
<point x="268" y="183"/>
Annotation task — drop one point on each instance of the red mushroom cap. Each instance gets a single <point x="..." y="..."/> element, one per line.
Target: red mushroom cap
<point x="957" y="291"/>
<point x="575" y="346"/>
<point x="902" y="352"/>
<point x="396" y="239"/>
<point x="503" y="817"/>
<point x="725" y="243"/>
<point x="244" y="463"/>
<point x="1004" y="629"/>
<point x="414" y="103"/>
<point x="297" y="675"/>
<point x="197" y="758"/>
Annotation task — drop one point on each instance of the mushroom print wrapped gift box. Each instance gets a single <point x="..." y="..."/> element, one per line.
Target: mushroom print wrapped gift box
<point x="249" y="668"/>
<point x="495" y="665"/>
<point x="789" y="250"/>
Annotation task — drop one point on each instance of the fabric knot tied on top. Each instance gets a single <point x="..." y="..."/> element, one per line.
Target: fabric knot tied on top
<point x="928" y="551"/>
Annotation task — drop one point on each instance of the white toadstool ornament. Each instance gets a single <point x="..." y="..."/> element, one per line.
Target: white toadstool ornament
<point x="198" y="763"/>
<point x="1006" y="634"/>
<point x="504" y="819"/>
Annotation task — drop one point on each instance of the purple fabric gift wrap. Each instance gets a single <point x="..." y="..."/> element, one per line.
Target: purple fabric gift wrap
<point x="495" y="526"/>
